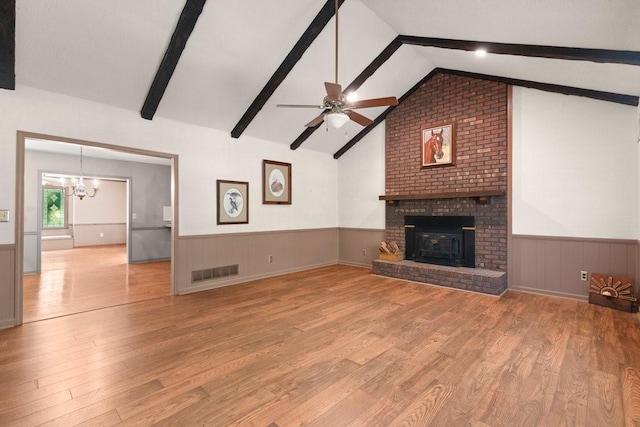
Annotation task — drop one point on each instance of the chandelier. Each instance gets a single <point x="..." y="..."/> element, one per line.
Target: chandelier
<point x="77" y="188"/>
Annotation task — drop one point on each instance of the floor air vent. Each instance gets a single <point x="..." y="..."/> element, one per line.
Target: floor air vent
<point x="214" y="273"/>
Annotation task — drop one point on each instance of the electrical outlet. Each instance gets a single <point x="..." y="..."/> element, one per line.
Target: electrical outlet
<point x="4" y="215"/>
<point x="584" y="276"/>
<point x="364" y="252"/>
<point x="270" y="259"/>
<point x="101" y="234"/>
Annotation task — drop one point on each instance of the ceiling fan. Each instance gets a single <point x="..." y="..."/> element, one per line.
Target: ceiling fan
<point x="338" y="108"/>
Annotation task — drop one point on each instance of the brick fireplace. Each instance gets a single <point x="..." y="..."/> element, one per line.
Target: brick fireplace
<point x="474" y="186"/>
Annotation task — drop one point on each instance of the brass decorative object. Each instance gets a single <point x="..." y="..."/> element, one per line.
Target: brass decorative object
<point x="613" y="292"/>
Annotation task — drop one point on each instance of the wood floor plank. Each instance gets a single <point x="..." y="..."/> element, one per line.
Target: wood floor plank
<point x="75" y="411"/>
<point x="475" y="381"/>
<point x="631" y="396"/>
<point x="423" y="409"/>
<point x="168" y="408"/>
<point x="604" y="407"/>
<point x="346" y="410"/>
<point x="329" y="346"/>
<point x="68" y="278"/>
<point x="15" y="411"/>
<point x="286" y="411"/>
<point x="573" y="386"/>
<point x="110" y="418"/>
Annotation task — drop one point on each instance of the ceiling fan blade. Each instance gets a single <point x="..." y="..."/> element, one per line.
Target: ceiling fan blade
<point x="299" y="106"/>
<point x="375" y="102"/>
<point x="334" y="91"/>
<point x="359" y="118"/>
<point x="315" y="122"/>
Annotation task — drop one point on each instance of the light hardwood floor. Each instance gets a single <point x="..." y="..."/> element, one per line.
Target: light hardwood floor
<point x="82" y="279"/>
<point x="329" y="347"/>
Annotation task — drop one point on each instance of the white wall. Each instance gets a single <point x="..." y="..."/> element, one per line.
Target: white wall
<point x="575" y="166"/>
<point x="575" y="169"/>
<point x="204" y="156"/>
<point x="108" y="207"/>
<point x="361" y="180"/>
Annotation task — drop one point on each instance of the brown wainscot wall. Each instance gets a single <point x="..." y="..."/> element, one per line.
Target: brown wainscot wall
<point x="211" y="261"/>
<point x="552" y="265"/>
<point x="7" y="280"/>
<point x="359" y="246"/>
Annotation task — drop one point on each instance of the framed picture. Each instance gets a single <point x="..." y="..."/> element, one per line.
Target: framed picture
<point x="276" y="183"/>
<point x="439" y="145"/>
<point x="233" y="202"/>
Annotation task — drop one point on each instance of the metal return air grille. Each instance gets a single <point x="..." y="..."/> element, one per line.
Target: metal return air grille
<point x="214" y="273"/>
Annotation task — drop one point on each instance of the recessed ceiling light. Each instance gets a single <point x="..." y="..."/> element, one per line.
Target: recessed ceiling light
<point x="481" y="52"/>
<point x="352" y="97"/>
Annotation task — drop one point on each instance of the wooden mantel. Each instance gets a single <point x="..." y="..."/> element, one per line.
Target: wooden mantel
<point x="482" y="197"/>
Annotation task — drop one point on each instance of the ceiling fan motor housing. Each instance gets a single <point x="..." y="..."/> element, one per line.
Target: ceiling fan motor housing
<point x="335" y="104"/>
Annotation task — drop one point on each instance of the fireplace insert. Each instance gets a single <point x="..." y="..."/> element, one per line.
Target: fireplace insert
<point x="444" y="240"/>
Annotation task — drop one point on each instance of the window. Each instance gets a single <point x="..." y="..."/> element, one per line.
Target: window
<point x="54" y="208"/>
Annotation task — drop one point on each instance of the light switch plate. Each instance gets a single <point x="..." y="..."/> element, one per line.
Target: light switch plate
<point x="4" y="215"/>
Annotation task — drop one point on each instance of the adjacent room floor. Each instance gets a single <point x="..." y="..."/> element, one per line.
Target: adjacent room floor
<point x="333" y="346"/>
<point x="89" y="278"/>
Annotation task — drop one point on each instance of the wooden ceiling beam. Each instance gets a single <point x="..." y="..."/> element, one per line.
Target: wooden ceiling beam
<point x="313" y="30"/>
<point x="378" y="61"/>
<point x="8" y="44"/>
<point x="535" y="51"/>
<point x="186" y="23"/>
<point x="550" y="52"/>
<point x="565" y="90"/>
<point x="362" y="77"/>
<point x="617" y="98"/>
<point x="353" y="141"/>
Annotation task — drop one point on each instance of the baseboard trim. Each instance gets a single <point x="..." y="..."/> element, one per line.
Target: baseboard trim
<point x="144" y="261"/>
<point x="4" y="324"/>
<point x="549" y="293"/>
<point x="575" y="239"/>
<point x="377" y="230"/>
<point x="355" y="264"/>
<point x="240" y="280"/>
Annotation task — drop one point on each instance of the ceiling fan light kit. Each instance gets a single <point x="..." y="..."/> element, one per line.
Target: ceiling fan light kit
<point x="338" y="107"/>
<point x="336" y="120"/>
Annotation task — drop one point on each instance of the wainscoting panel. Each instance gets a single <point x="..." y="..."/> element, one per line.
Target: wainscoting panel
<point x="552" y="265"/>
<point x="359" y="246"/>
<point x="7" y="286"/>
<point x="258" y="255"/>
<point x="89" y="234"/>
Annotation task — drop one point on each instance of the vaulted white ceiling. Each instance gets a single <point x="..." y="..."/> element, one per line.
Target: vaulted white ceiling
<point x="109" y="52"/>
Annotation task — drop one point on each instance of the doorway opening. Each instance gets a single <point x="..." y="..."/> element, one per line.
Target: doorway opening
<point x="111" y="249"/>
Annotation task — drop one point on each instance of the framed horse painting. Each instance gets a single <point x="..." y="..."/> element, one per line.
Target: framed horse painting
<point x="439" y="145"/>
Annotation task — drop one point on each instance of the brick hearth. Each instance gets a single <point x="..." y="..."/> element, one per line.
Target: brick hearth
<point x="469" y="279"/>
